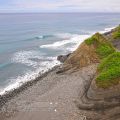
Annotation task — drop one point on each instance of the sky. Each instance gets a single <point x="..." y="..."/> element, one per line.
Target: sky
<point x="59" y="6"/>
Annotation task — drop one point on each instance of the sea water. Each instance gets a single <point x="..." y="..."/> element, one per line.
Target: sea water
<point x="30" y="43"/>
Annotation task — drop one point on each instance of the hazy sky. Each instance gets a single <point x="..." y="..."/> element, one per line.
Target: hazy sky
<point x="59" y="5"/>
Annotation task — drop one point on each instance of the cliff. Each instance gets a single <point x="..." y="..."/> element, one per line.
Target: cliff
<point x="103" y="93"/>
<point x="92" y="50"/>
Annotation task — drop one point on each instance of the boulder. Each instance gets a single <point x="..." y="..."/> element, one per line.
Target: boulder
<point x="62" y="58"/>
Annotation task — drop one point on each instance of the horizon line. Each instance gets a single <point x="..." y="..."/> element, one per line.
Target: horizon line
<point x="50" y="12"/>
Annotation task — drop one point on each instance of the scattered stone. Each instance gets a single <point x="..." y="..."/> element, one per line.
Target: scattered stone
<point x="51" y="103"/>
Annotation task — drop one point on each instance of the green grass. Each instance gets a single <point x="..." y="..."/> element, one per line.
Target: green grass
<point x="109" y="67"/>
<point x="109" y="71"/>
<point x="90" y="41"/>
<point x="103" y="47"/>
<point x="116" y="33"/>
<point x="104" y="50"/>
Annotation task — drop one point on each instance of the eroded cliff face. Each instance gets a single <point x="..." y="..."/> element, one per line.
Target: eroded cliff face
<point x="89" y="52"/>
<point x="99" y="102"/>
<point x="83" y="56"/>
<point x="98" y="49"/>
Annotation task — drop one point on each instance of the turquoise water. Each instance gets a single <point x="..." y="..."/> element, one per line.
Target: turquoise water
<point x="29" y="43"/>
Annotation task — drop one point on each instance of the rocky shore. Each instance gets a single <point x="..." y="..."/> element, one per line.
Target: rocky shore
<point x="68" y="91"/>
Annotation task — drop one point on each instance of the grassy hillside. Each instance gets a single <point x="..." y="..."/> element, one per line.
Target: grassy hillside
<point x="109" y="71"/>
<point x="102" y="47"/>
<point x="98" y="49"/>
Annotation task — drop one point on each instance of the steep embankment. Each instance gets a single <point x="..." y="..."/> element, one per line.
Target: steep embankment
<point x="90" y="51"/>
<point x="104" y="92"/>
<point x="98" y="49"/>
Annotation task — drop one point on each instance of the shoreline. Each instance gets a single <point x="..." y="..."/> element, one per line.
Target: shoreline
<point x="52" y="97"/>
<point x="59" y="96"/>
<point x="11" y="94"/>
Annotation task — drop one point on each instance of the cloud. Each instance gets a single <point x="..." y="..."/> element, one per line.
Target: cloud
<point x="61" y="5"/>
<point x="30" y="4"/>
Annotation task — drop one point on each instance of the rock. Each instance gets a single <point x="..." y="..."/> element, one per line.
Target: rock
<point x="62" y="58"/>
<point x="108" y="33"/>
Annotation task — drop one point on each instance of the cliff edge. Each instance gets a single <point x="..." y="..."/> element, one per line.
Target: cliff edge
<point x="102" y="95"/>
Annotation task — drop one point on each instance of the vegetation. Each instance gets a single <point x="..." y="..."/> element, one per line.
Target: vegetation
<point x="90" y="41"/>
<point x="109" y="71"/>
<point x="116" y="33"/>
<point x="104" y="50"/>
<point x="109" y="67"/>
<point x="102" y="46"/>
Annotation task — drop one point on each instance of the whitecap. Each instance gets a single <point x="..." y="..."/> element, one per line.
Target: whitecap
<point x="75" y="39"/>
<point x="107" y="29"/>
<point x="24" y="57"/>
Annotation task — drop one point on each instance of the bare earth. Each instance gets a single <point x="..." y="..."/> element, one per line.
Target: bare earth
<point x="51" y="98"/>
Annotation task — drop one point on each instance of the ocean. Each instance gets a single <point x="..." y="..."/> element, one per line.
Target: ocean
<point x="30" y="42"/>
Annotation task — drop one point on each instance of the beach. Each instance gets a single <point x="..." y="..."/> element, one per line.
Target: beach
<point x="52" y="97"/>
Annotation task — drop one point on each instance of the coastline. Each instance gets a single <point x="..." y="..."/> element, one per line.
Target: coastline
<point x="52" y="97"/>
<point x="6" y="91"/>
<point x="51" y="88"/>
<point x="10" y="94"/>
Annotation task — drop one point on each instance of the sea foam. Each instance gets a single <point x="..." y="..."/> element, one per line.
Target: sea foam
<point x="24" y="57"/>
<point x="74" y="39"/>
<point x="30" y="75"/>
